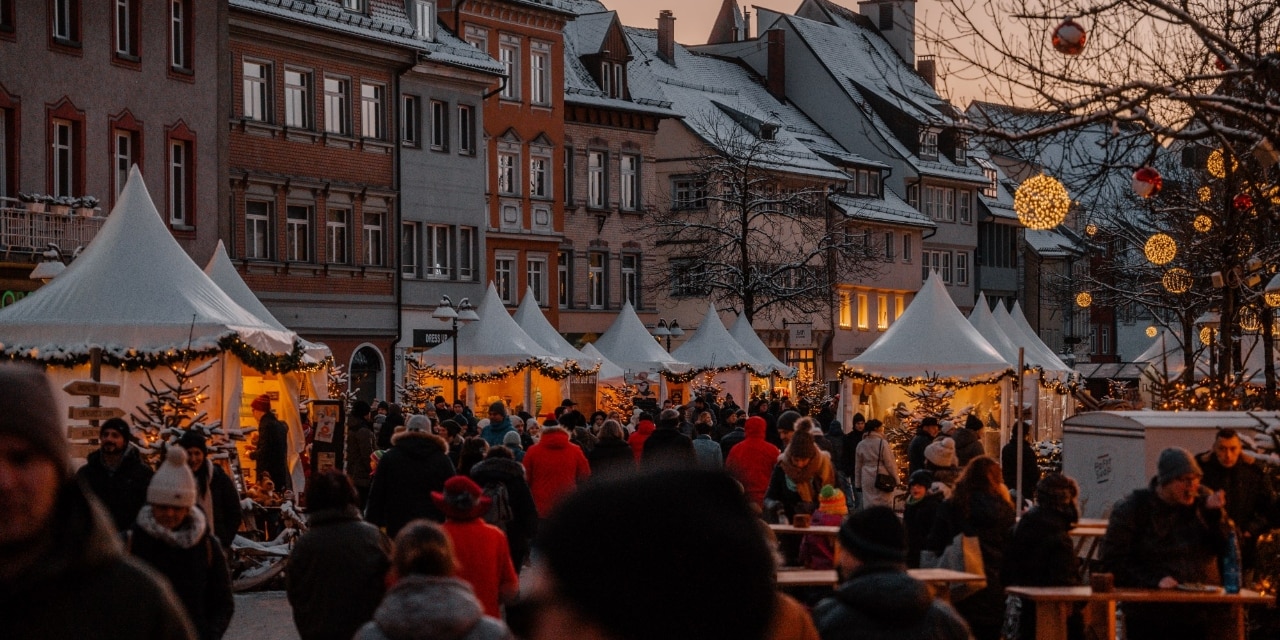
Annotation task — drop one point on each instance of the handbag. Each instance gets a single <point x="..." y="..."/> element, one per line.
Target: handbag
<point x="964" y="554"/>
<point x="884" y="482"/>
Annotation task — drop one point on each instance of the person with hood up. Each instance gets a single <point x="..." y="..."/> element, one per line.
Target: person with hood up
<point x="116" y="473"/>
<point x="428" y="600"/>
<point x="798" y="478"/>
<point x="752" y="461"/>
<point x="968" y="440"/>
<point x="338" y="568"/>
<point x="611" y="456"/>
<point x="63" y="571"/>
<point x="272" y="454"/>
<point x="513" y="442"/>
<point x="416" y="465"/>
<point x="926" y="433"/>
<point x="215" y="491"/>
<point x="499" y="473"/>
<point x="361" y="443"/>
<point x="941" y="460"/>
<point x="555" y="467"/>
<point x="499" y="424"/>
<point x="644" y="429"/>
<point x="924" y="499"/>
<point x="484" y="559"/>
<point x="173" y="537"/>
<point x="877" y="599"/>
<point x="1041" y="553"/>
<point x="666" y="447"/>
<point x="738" y="433"/>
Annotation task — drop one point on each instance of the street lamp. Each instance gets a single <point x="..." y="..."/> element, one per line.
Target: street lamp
<point x="462" y="313"/>
<point x="668" y="331"/>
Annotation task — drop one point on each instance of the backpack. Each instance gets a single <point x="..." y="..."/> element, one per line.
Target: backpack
<point x="499" y="513"/>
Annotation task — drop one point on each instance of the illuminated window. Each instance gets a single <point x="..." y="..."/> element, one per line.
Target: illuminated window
<point x="882" y="312"/>
<point x="864" y="321"/>
<point x="846" y="312"/>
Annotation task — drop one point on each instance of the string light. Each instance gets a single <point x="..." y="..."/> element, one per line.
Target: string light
<point x="1084" y="299"/>
<point x="1151" y="331"/>
<point x="1041" y="202"/>
<point x="1177" y="280"/>
<point x="1202" y="223"/>
<point x="1161" y="249"/>
<point x="1206" y="335"/>
<point x="130" y="359"/>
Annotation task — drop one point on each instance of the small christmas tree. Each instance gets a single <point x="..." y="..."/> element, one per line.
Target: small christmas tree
<point x="931" y="399"/>
<point x="173" y="408"/>
<point x="708" y="388"/>
<point x="415" y="395"/>
<point x="618" y="398"/>
<point x="340" y="386"/>
<point x="810" y="390"/>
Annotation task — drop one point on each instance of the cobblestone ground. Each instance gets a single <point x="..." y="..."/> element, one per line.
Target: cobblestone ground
<point x="262" y="615"/>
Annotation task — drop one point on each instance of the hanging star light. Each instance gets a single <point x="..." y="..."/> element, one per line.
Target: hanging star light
<point x="1202" y="223"/>
<point x="1161" y="249"/>
<point x="1177" y="280"/>
<point x="1216" y="164"/>
<point x="1083" y="300"/>
<point x="1041" y="202"/>
<point x="1147" y="182"/>
<point x="1151" y="331"/>
<point x="1069" y="38"/>
<point x="1249" y="320"/>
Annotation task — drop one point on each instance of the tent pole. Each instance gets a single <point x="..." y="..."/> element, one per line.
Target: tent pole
<point x="1020" y="431"/>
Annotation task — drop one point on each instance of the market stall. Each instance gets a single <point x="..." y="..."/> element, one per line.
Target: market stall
<point x="718" y="359"/>
<point x="581" y="386"/>
<point x="645" y="364"/>
<point x="774" y="369"/>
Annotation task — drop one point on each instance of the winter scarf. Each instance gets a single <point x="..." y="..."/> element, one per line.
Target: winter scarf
<point x="187" y="535"/>
<point x="802" y="477"/>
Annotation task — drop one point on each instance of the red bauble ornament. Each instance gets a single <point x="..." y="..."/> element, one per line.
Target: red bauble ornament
<point x="1220" y="63"/>
<point x="1243" y="202"/>
<point x="1069" y="38"/>
<point x="1147" y="182"/>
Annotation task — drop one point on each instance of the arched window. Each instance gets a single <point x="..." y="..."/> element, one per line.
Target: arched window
<point x="366" y="373"/>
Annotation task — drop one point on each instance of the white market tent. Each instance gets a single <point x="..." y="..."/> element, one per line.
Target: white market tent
<point x="1166" y="345"/>
<point x="982" y="320"/>
<point x="1049" y="406"/>
<point x="746" y="336"/>
<point x="136" y="294"/>
<point x="712" y="349"/>
<point x="630" y="346"/>
<point x="609" y="372"/>
<point x="530" y="319"/>
<point x="1038" y="354"/>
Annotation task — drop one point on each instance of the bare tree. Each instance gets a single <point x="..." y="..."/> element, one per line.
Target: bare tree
<point x="751" y="231"/>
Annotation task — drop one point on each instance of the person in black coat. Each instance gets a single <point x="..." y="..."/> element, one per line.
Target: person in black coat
<point x="216" y="493"/>
<point x="924" y="500"/>
<point x="1251" y="501"/>
<point x="666" y="447"/>
<point x="764" y="409"/>
<point x="1009" y="465"/>
<point x="1041" y="553"/>
<point x="417" y="464"/>
<point x="499" y="466"/>
<point x="116" y="474"/>
<point x="395" y="418"/>
<point x="848" y="460"/>
<point x="272" y="454"/>
<point x="925" y="434"/>
<point x="612" y="456"/>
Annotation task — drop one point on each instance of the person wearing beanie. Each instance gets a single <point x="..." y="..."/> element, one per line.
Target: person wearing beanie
<point x="600" y="574"/>
<point x="361" y="443"/>
<point x="877" y="598"/>
<point x="173" y="536"/>
<point x="926" y="433"/>
<point x="554" y="467"/>
<point x="734" y="431"/>
<point x="796" y="481"/>
<point x="667" y="447"/>
<point x="1041" y="553"/>
<point x="116" y="473"/>
<point x="416" y="465"/>
<point x="924" y="499"/>
<point x="751" y="462"/>
<point x="63" y="570"/>
<point x="216" y="492"/>
<point x="940" y="459"/>
<point x="500" y="424"/>
<point x="875" y="458"/>
<point x="484" y="558"/>
<point x="513" y="442"/>
<point x="272" y="454"/>
<point x="968" y="440"/>
<point x="786" y="428"/>
<point x="1169" y="533"/>
<point x="849" y="446"/>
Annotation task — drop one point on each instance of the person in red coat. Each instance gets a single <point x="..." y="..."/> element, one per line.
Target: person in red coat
<point x="484" y="560"/>
<point x="752" y="460"/>
<point x="554" y="468"/>
<point x="644" y="429"/>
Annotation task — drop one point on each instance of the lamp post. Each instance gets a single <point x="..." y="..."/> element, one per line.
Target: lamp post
<point x="668" y="331"/>
<point x="462" y="313"/>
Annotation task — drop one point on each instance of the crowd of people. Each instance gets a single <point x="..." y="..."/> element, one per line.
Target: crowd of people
<point x="648" y="527"/>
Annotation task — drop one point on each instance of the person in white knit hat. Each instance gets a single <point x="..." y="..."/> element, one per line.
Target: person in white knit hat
<point x="174" y="537"/>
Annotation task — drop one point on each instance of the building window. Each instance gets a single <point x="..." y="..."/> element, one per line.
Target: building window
<point x="929" y="144"/>
<point x="257" y="91"/>
<point x="537" y="277"/>
<point x="338" y="236"/>
<point x="564" y="279"/>
<point x="337" y="106"/>
<point x="181" y="182"/>
<point x="596" y="279"/>
<point x="945" y="269"/>
<point x="509" y="57"/>
<point x="410" y="131"/>
<point x="846" y="311"/>
<point x="540" y="73"/>
<point x="297" y="229"/>
<point x="374" y="223"/>
<point x="180" y="34"/>
<point x="913" y="197"/>
<point x="864" y="322"/>
<point x="886" y="16"/>
<point x="597" y="187"/>
<point x="409" y="250"/>
<point x="477" y="37"/>
<point x="1105" y="339"/>
<point x="906" y="247"/>
<point x="66" y="20"/>
<point x="257" y="230"/>
<point x="127" y="28"/>
<point x="439" y="125"/>
<point x="504" y="268"/>
<point x="569" y="165"/>
<point x="898" y="305"/>
<point x="371" y="111"/>
<point x="540" y="176"/>
<point x="631" y="279"/>
<point x="991" y="189"/>
<point x="65" y="145"/>
<point x="297" y="99"/>
<point x="962" y="267"/>
<point x="926" y="264"/>
<point x="964" y="206"/>
<point x="890" y="243"/>
<point x="962" y="149"/>
<point x="882" y="312"/>
<point x="606" y="78"/>
<point x="466" y="129"/>
<point x="630" y="182"/>
<point x="424" y="19"/>
<point x="439" y="251"/>
<point x="359" y="6"/>
<point x="508" y="181"/>
<point x="948" y="203"/>
<point x="467" y="253"/>
<point x="688" y="278"/>
<point x="123" y="155"/>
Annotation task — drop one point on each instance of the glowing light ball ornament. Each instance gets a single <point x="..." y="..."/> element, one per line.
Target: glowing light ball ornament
<point x="1151" y="332"/>
<point x="1041" y="202"/>
<point x="1272" y="299"/>
<point x="1147" y="182"/>
<point x="1177" y="280"/>
<point x="1202" y="223"/>
<point x="1217" y="165"/>
<point x="1083" y="300"/>
<point x="1242" y="202"/>
<point x="1091" y="229"/>
<point x="1249" y="320"/>
<point x="1069" y="38"/>
<point x="1160" y="249"/>
<point x="1205" y="193"/>
<point x="1206" y="335"/>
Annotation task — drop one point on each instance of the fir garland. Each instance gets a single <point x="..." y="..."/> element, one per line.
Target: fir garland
<point x="130" y="359"/>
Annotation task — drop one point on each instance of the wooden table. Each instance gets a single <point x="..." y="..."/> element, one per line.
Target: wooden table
<point x="1088" y="539"/>
<point x="1054" y="604"/>
<point x="939" y="580"/>
<point x="825" y="530"/>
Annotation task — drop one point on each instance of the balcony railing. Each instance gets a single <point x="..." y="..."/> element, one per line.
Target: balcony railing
<point x="23" y="231"/>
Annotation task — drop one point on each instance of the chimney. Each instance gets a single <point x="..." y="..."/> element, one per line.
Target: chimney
<point x="776" y="78"/>
<point x="927" y="67"/>
<point x="667" y="36"/>
<point x="746" y="24"/>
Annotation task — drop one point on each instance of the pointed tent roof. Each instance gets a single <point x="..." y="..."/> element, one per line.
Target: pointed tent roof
<point x="1043" y="357"/>
<point x="530" y="319"/>
<point x="985" y="323"/>
<point x="491" y="343"/>
<point x="609" y="372"/>
<point x="628" y="344"/>
<point x="1166" y="345"/>
<point x="931" y="337"/>
<point x="712" y="348"/>
<point x="137" y="294"/>
<point x="224" y="274"/>
<point x="750" y="340"/>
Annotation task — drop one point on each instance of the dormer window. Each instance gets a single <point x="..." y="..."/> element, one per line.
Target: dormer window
<point x="358" y="6"/>
<point x="867" y="183"/>
<point x="611" y="81"/>
<point x="424" y="18"/>
<point x="962" y="150"/>
<point x="929" y="144"/>
<point x="990" y="190"/>
<point x="768" y="131"/>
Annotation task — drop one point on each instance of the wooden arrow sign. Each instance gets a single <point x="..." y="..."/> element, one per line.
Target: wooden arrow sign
<point x="94" y="413"/>
<point x="91" y="388"/>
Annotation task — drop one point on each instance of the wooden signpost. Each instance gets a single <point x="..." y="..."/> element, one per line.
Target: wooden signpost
<point x="85" y="438"/>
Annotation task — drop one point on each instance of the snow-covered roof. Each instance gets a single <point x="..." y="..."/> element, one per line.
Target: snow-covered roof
<point x="224" y="274"/>
<point x="742" y="331"/>
<point x="931" y="337"/>
<point x="583" y="36"/>
<point x="715" y="96"/>
<point x="1050" y="243"/>
<point x="712" y="348"/>
<point x="1035" y="353"/>
<point x="1000" y="206"/>
<point x="529" y="317"/>
<point x="630" y="346"/>
<point x="982" y="320"/>
<point x="888" y="210"/>
<point x="609" y="372"/>
<point x="491" y="343"/>
<point x="134" y="292"/>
